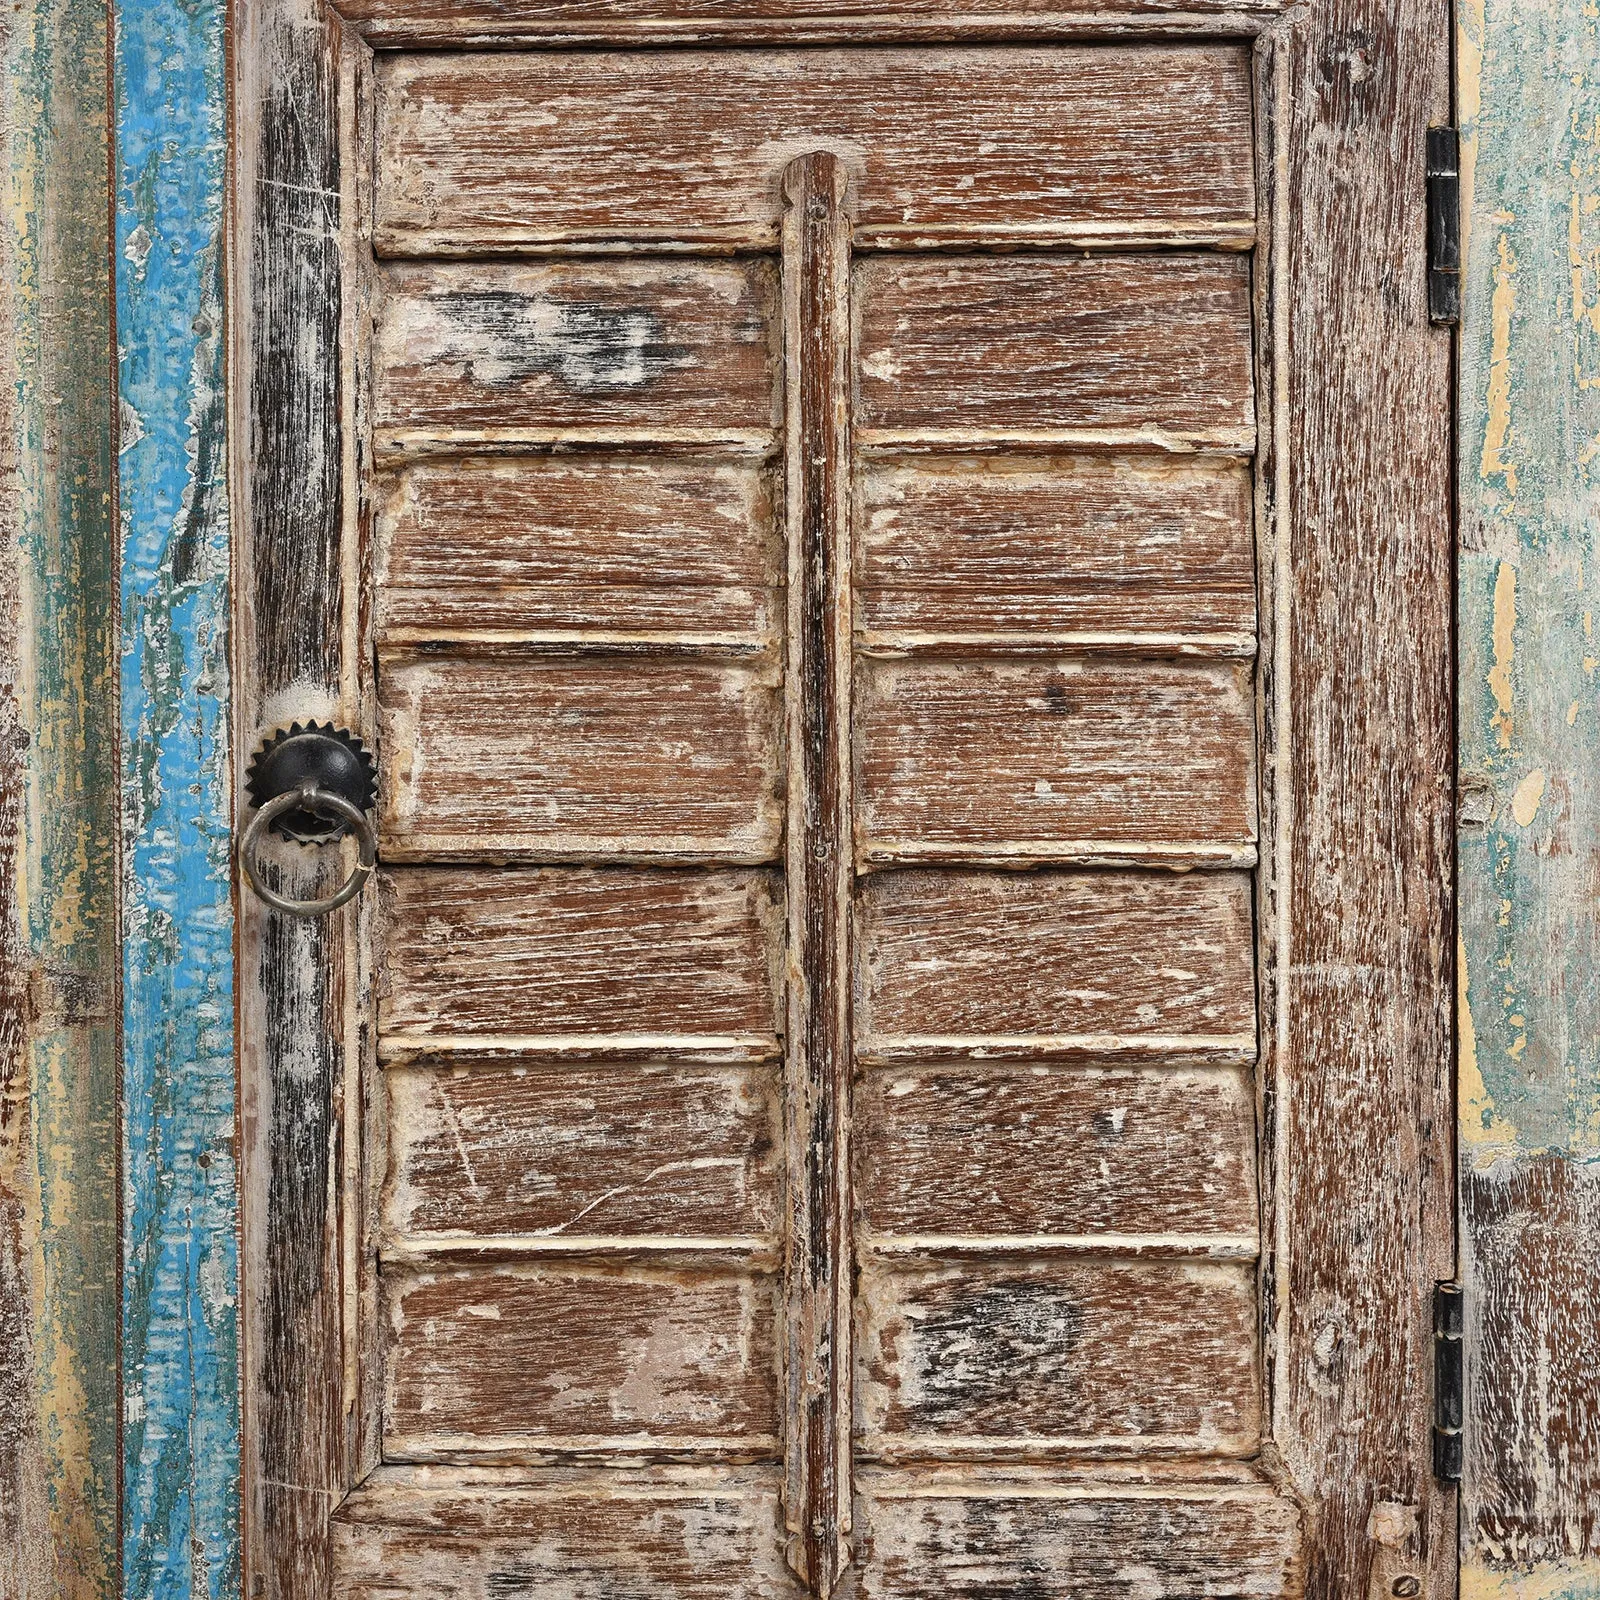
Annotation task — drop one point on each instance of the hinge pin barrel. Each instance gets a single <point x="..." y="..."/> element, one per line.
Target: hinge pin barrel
<point x="1444" y="226"/>
<point x="1448" y="1382"/>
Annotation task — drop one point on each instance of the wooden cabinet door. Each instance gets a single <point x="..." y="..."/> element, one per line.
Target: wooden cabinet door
<point x="866" y="1063"/>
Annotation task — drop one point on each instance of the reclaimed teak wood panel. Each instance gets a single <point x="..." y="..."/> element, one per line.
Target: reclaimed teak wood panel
<point x="1049" y="144"/>
<point x="679" y="497"/>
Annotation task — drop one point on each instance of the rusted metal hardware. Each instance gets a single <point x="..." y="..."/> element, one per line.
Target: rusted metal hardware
<point x="312" y="784"/>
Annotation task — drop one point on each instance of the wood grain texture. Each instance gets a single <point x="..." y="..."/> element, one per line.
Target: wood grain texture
<point x="985" y="1361"/>
<point x="1529" y="994"/>
<point x="294" y="419"/>
<point x="569" y="953"/>
<point x="784" y="22"/>
<point x="597" y="1150"/>
<point x="542" y="545"/>
<point x="818" y="866"/>
<point x="627" y="758"/>
<point x="1101" y="552"/>
<point x="1153" y="347"/>
<point x="698" y="1534"/>
<point x="1070" y="759"/>
<point x="1055" y="1150"/>
<point x="643" y="147"/>
<point x="60" y="1299"/>
<point x="1358" y="1086"/>
<point x="464" y="351"/>
<point x="529" y="1360"/>
<point x="1157" y="1540"/>
<point x="1105" y="962"/>
<point x="179" y="1214"/>
<point x="1533" y="1371"/>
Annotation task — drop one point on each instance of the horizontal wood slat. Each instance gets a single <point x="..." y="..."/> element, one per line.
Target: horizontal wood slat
<point x="566" y="760"/>
<point x="959" y="143"/>
<point x="1114" y="961"/>
<point x="985" y="1360"/>
<point x="786" y="23"/>
<point x="605" y="955"/>
<point x="1158" y="553"/>
<point x="588" y="1150"/>
<point x="1055" y="1150"/>
<point x="547" y="352"/>
<point x="1069" y="758"/>
<point x="1154" y="1539"/>
<point x="525" y="1360"/>
<point x="1155" y="347"/>
<point x="551" y="545"/>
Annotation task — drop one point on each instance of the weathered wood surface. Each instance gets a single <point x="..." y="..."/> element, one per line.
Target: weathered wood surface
<point x="1151" y="348"/>
<point x="555" y="546"/>
<point x="1076" y="760"/>
<point x="1100" y="552"/>
<point x="988" y="1361"/>
<point x="1357" y="1109"/>
<point x="1530" y="812"/>
<point x="691" y="1534"/>
<point x="299" y="652"/>
<point x="654" y="1151"/>
<point x="1048" y="144"/>
<point x="1055" y="1150"/>
<point x="1052" y="963"/>
<point x="819" y="868"/>
<point x="497" y="351"/>
<point x="59" y="1251"/>
<point x="1150" y="1536"/>
<point x="180" y="1334"/>
<point x="652" y="957"/>
<point x="786" y="22"/>
<point x="579" y="760"/>
<point x="529" y="1361"/>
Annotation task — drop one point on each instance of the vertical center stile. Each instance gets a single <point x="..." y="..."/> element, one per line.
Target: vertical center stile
<point x="819" y="865"/>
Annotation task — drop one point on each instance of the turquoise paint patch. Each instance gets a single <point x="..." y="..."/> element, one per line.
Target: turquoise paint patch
<point x="1530" y="579"/>
<point x="180" y="1284"/>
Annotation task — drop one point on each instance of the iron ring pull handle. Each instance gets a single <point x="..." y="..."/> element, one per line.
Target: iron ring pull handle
<point x="322" y="803"/>
<point x="312" y="784"/>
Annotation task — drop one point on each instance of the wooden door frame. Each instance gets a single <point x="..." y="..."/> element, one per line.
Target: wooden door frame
<point x="1357" y="1103"/>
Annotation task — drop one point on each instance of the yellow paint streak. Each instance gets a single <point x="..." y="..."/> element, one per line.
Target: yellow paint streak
<point x="1481" y="1124"/>
<point x="1497" y="438"/>
<point x="1525" y="800"/>
<point x="1505" y="627"/>
<point x="1572" y="712"/>
<point x="1547" y="1580"/>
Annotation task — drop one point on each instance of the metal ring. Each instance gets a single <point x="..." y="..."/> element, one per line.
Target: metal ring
<point x="325" y="804"/>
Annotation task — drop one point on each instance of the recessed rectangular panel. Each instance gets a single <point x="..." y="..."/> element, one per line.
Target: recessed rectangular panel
<point x="494" y="350"/>
<point x="556" y="1152"/>
<point x="515" y="1360"/>
<point x="1143" y="961"/>
<point x="1066" y="1150"/>
<point x="990" y="1360"/>
<point x="1151" y="345"/>
<point x="635" y="545"/>
<point x="541" y="149"/>
<point x="1079" y="546"/>
<point x="1071" y="757"/>
<point x="564" y="759"/>
<point x="695" y="1535"/>
<point x="570" y="953"/>
<point x="1162" y="1538"/>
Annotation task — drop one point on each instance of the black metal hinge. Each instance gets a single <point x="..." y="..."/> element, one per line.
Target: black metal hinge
<point x="1448" y="1376"/>
<point x="1444" y="226"/>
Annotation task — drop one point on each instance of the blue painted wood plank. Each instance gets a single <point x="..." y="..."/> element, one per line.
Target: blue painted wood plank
<point x="180" y="1290"/>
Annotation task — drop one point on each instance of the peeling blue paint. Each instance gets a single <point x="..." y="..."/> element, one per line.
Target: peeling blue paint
<point x="180" y="1285"/>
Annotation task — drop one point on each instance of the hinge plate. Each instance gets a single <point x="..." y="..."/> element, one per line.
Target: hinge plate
<point x="1448" y="1381"/>
<point x="1444" y="226"/>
